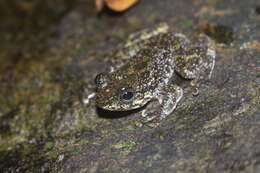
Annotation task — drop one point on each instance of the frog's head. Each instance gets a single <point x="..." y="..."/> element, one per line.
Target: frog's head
<point x="117" y="92"/>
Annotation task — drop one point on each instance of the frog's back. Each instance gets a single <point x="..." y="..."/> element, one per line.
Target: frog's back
<point x="169" y="41"/>
<point x="149" y="69"/>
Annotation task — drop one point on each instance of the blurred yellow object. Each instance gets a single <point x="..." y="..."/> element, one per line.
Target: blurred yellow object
<point x="115" y="5"/>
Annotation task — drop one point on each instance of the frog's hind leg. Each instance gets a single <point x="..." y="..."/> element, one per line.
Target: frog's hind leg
<point x="205" y="48"/>
<point x="197" y="62"/>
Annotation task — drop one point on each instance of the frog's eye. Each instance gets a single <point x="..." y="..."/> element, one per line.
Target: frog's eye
<point x="127" y="95"/>
<point x="101" y="80"/>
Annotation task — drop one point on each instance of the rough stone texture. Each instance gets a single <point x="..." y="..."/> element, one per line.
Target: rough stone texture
<point x="50" y="53"/>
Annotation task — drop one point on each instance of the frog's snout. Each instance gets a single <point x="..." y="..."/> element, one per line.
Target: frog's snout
<point x="101" y="80"/>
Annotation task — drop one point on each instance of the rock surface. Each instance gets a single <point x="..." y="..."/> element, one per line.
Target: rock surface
<point x="50" y="53"/>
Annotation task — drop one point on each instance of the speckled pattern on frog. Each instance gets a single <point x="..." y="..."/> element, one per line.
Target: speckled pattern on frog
<point x="143" y="66"/>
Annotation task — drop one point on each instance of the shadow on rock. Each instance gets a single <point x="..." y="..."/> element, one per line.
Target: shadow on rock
<point x="116" y="114"/>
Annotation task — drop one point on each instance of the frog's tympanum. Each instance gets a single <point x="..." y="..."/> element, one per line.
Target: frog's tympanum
<point x="143" y="66"/>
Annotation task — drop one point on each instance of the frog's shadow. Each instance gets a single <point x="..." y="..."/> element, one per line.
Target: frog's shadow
<point x="116" y="114"/>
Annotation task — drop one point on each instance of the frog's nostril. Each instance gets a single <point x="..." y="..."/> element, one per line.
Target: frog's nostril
<point x="101" y="80"/>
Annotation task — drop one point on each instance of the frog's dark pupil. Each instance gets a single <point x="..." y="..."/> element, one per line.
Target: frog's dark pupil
<point x="128" y="95"/>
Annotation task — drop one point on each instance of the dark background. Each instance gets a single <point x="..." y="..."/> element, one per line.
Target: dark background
<point x="50" y="53"/>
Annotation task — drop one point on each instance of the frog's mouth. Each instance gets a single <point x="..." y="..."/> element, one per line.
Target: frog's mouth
<point x="118" y="107"/>
<point x="123" y="109"/>
<point x="122" y="106"/>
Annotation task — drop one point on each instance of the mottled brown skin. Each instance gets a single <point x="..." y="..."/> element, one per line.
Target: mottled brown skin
<point x="135" y="77"/>
<point x="143" y="66"/>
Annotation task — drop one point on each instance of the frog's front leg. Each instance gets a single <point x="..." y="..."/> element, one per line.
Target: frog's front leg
<point x="168" y="98"/>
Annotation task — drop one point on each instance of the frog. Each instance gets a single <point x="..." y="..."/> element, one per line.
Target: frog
<point x="142" y="69"/>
